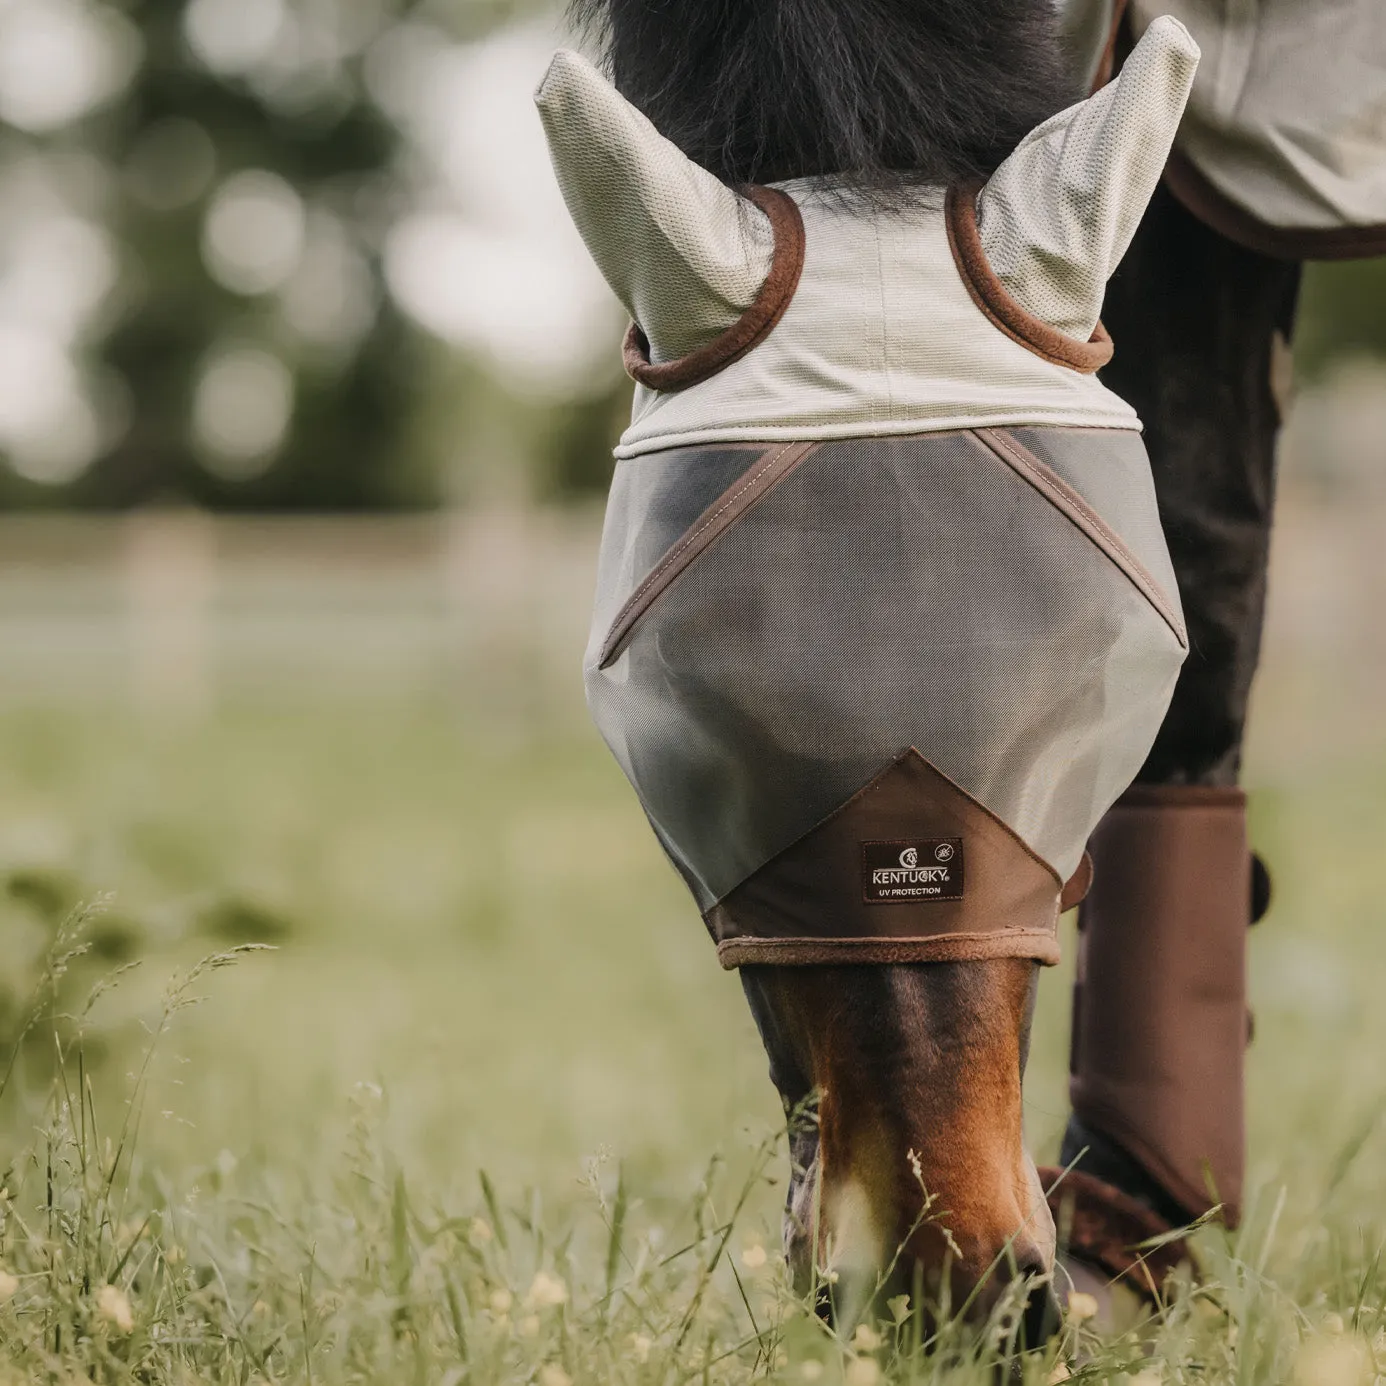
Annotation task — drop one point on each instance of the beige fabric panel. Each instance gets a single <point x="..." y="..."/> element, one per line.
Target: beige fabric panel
<point x="683" y="253"/>
<point x="881" y="338"/>
<point x="1287" y="118"/>
<point x="1057" y="216"/>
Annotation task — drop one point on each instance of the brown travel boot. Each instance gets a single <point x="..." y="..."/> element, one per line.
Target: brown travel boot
<point x="1160" y="1026"/>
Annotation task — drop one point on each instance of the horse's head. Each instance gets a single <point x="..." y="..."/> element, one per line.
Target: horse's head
<point x="875" y="664"/>
<point x="909" y="1167"/>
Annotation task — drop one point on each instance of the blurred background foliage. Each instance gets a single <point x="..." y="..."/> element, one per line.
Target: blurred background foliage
<point x="251" y="257"/>
<point x="306" y="255"/>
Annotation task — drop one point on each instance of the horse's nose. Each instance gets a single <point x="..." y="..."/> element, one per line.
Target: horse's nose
<point x="1018" y="1278"/>
<point x="1039" y="1319"/>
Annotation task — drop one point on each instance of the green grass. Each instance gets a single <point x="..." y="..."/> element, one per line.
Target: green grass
<point x="482" y="964"/>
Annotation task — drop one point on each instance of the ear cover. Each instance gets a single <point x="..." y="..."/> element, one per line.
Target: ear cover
<point x="1057" y="216"/>
<point x="682" y="251"/>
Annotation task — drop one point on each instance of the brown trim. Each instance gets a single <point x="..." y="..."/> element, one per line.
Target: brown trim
<point x="1038" y="944"/>
<point x="1065" y="499"/>
<point x="994" y="299"/>
<point x="1228" y="219"/>
<point x="752" y="327"/>
<point x="724" y="512"/>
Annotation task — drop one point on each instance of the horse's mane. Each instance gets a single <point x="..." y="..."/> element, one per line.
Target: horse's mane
<point x="879" y="92"/>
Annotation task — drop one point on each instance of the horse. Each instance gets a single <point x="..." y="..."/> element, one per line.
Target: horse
<point x="887" y="621"/>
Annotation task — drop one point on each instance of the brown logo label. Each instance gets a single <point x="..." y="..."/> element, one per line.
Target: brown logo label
<point x="895" y="873"/>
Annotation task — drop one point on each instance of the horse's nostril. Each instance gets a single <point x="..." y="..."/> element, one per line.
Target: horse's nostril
<point x="1039" y="1321"/>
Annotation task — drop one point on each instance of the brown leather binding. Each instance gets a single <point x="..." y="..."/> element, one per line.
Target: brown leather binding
<point x="1103" y="1227"/>
<point x="809" y="904"/>
<point x="994" y="299"/>
<point x="1064" y="498"/>
<point x="757" y="482"/>
<point x="1159" y="1016"/>
<point x="1228" y="219"/>
<point x="752" y="327"/>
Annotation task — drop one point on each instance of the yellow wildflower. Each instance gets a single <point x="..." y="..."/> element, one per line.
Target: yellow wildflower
<point x="546" y="1291"/>
<point x="862" y="1371"/>
<point x="866" y="1339"/>
<point x="114" y="1307"/>
<point x="1335" y="1361"/>
<point x="1081" y="1307"/>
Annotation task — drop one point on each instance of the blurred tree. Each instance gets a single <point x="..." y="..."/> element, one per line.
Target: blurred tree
<point x="246" y="353"/>
<point x="1342" y="313"/>
<point x="274" y="269"/>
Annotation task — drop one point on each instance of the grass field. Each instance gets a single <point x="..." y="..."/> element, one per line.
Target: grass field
<point x="490" y="1112"/>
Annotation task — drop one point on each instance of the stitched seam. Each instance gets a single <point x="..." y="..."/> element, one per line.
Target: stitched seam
<point x="871" y="940"/>
<point x="673" y="555"/>
<point x="876" y="950"/>
<point x="1067" y="500"/>
<point x="620" y="624"/>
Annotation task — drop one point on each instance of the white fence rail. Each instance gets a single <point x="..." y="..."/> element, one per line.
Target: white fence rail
<point x="175" y="611"/>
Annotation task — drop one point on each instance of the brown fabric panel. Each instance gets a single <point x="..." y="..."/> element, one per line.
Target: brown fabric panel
<point x="995" y="301"/>
<point x="753" y="326"/>
<point x="724" y="512"/>
<point x="1052" y="486"/>
<point x="807" y="905"/>
<point x="1238" y="225"/>
<point x="1102" y="1226"/>
<point x="1159" y="1027"/>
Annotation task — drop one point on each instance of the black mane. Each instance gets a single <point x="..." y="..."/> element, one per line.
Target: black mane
<point x="880" y="92"/>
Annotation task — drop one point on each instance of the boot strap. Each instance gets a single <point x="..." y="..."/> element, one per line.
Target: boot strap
<point x="1106" y="1229"/>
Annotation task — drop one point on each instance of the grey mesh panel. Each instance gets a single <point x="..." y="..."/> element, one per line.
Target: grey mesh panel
<point x="887" y="593"/>
<point x="1110" y="469"/>
<point x="653" y="501"/>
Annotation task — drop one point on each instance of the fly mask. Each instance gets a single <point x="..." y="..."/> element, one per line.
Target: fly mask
<point x="884" y="619"/>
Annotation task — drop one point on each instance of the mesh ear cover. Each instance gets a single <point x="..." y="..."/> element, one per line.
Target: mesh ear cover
<point x="885" y="594"/>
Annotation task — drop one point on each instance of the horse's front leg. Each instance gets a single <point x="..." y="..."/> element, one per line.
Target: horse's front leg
<point x="1160" y="1019"/>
